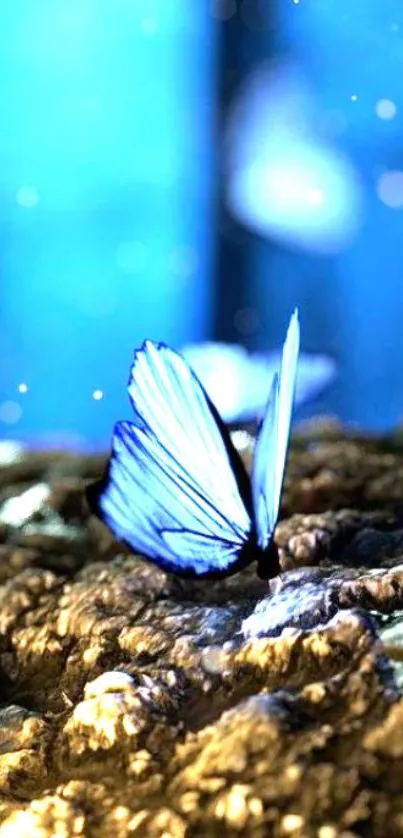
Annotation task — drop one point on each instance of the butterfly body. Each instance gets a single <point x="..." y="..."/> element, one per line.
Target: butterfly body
<point x="176" y="489"/>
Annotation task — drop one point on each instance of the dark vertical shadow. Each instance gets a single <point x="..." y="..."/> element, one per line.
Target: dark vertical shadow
<point x="263" y="278"/>
<point x="244" y="40"/>
<point x="232" y="240"/>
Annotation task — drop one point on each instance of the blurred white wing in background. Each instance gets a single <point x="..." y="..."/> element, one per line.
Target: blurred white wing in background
<point x="238" y="382"/>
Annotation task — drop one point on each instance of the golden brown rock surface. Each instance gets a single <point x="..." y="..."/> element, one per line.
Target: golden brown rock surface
<point x="134" y="703"/>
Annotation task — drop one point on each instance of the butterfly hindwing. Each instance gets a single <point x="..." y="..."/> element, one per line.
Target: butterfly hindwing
<point x="176" y="489"/>
<point x="273" y="438"/>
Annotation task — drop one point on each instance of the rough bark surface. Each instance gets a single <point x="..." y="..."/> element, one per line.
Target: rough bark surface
<point x="134" y="703"/>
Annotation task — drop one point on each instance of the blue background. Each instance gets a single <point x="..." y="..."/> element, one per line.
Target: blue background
<point x="113" y="208"/>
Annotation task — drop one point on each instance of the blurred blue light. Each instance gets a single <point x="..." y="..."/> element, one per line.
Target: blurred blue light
<point x="286" y="180"/>
<point x="333" y="123"/>
<point x="106" y="201"/>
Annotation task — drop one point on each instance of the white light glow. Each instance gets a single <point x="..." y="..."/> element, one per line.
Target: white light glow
<point x="316" y="196"/>
<point x="98" y="395"/>
<point x="285" y="180"/>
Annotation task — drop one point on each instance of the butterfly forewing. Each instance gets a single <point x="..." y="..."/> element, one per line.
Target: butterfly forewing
<point x="175" y="489"/>
<point x="273" y="438"/>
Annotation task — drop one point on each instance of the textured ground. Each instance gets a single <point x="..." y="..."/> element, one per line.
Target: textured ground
<point x="137" y="704"/>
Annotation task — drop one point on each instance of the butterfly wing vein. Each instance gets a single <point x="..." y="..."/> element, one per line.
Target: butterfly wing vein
<point x="171" y="492"/>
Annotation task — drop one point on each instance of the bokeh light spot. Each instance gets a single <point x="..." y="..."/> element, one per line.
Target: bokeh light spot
<point x="149" y="25"/>
<point x="385" y="109"/>
<point x="23" y="388"/>
<point x="10" y="412"/>
<point x="27" y="196"/>
<point x="354" y="97"/>
<point x="390" y="189"/>
<point x="98" y="395"/>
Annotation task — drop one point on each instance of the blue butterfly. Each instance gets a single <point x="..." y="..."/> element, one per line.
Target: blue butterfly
<point x="176" y="489"/>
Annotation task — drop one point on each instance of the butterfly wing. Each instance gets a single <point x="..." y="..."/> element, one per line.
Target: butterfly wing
<point x="273" y="438"/>
<point x="239" y="383"/>
<point x="176" y="489"/>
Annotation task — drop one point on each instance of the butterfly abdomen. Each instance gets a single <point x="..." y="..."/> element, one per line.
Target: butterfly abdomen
<point x="268" y="561"/>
